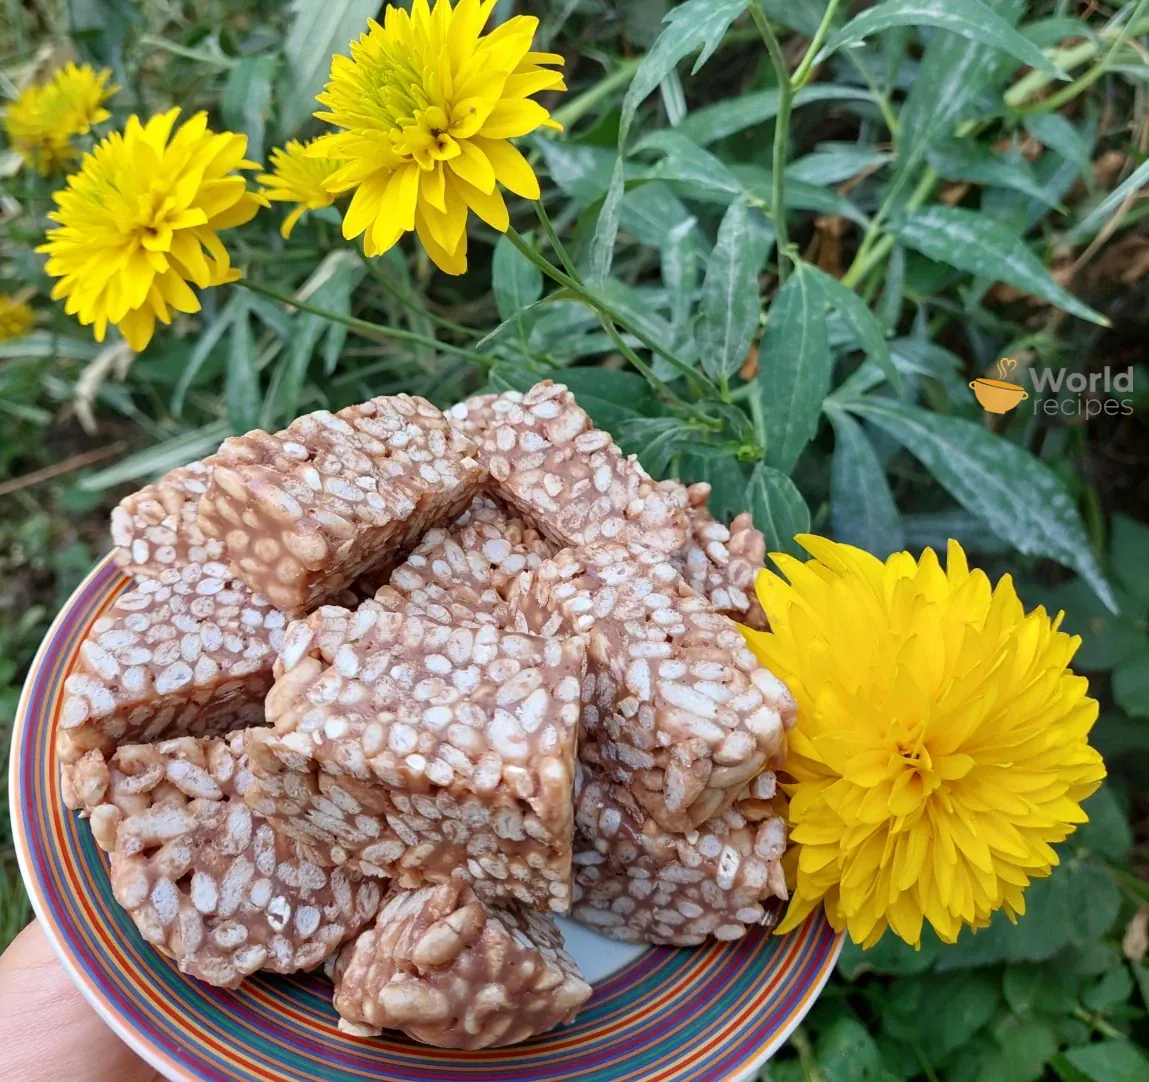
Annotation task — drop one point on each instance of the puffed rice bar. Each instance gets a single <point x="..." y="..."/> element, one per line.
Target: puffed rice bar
<point x="305" y="512"/>
<point x="206" y="880"/>
<point x="157" y="527"/>
<point x="188" y="653"/>
<point x="458" y="740"/>
<point x="570" y="479"/>
<point x="722" y="562"/>
<point x="636" y="882"/>
<point x="674" y="704"/>
<point x="450" y="971"/>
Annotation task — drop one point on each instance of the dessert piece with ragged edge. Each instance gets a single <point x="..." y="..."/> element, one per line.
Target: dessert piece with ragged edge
<point x="456" y="741"/>
<point x="307" y="511"/>
<point x="451" y="971"/>
<point x="157" y="528"/>
<point x="188" y="653"/>
<point x="570" y="479"/>
<point x="674" y="704"/>
<point x="722" y="562"/>
<point x="206" y="880"/>
<point x="475" y="415"/>
<point x="639" y="883"/>
<point x="465" y="570"/>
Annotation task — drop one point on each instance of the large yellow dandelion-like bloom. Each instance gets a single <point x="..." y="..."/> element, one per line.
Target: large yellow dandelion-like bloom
<point x="429" y="105"/>
<point x="297" y="178"/>
<point x="940" y="747"/>
<point x="16" y="317"/>
<point x="42" y="121"/>
<point x="140" y="220"/>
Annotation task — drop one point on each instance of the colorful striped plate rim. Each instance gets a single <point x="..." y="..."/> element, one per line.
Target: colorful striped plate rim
<point x="706" y="1015"/>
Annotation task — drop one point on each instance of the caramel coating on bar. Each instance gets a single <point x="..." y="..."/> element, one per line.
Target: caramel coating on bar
<point x="305" y="512"/>
<point x="639" y="883"/>
<point x="475" y="415"/>
<point x="450" y="971"/>
<point x="206" y="880"/>
<point x="674" y="704"/>
<point x="189" y="652"/>
<point x="156" y="527"/>
<point x="722" y="562"/>
<point x="570" y="479"/>
<point x="451" y="748"/>
<point x="464" y="572"/>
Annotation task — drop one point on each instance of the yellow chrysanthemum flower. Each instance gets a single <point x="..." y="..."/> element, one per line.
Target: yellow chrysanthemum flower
<point x="16" y="317"/>
<point x="140" y="220"/>
<point x="42" y="121"/>
<point x="940" y="747"/>
<point x="297" y="178"/>
<point x="429" y="105"/>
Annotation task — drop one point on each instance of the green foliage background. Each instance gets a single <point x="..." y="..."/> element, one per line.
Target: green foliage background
<point x="781" y="265"/>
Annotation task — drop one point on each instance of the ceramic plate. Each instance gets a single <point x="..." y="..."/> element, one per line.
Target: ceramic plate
<point x="657" y="1014"/>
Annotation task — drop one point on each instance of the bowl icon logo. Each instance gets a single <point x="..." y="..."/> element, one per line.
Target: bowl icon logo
<point x="999" y="395"/>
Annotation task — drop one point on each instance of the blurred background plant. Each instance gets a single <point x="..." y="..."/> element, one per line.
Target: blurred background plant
<point x="780" y="239"/>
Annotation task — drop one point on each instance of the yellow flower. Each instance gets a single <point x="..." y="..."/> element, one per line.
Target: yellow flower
<point x="139" y="221"/>
<point x="296" y="178"/>
<point x="429" y="105"/>
<point x="15" y="317"/>
<point x="41" y="122"/>
<point x="940" y="748"/>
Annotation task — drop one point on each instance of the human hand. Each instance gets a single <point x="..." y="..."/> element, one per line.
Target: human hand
<point x="48" y="1031"/>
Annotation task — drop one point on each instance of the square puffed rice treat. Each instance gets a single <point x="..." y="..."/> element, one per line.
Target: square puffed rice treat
<point x="569" y="479"/>
<point x="423" y="750"/>
<point x="307" y="511"/>
<point x="450" y="971"/>
<point x="465" y="570"/>
<point x="188" y="653"/>
<point x="157" y="527"/>
<point x="674" y="704"/>
<point x="206" y="880"/>
<point x="722" y="562"/>
<point x="636" y="882"/>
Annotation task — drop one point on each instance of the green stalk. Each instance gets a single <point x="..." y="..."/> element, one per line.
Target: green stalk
<point x="802" y="72"/>
<point x="574" y="110"/>
<point x="409" y="302"/>
<point x="553" y="237"/>
<point x="873" y="248"/>
<point x="781" y="135"/>
<point x="596" y="304"/>
<point x="371" y="331"/>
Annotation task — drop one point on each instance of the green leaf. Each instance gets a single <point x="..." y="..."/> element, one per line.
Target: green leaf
<point x="686" y="162"/>
<point x="1141" y="972"/>
<point x="209" y="336"/>
<point x="731" y="304"/>
<point x="832" y="163"/>
<point x="980" y="246"/>
<point x="241" y="391"/>
<point x="778" y="509"/>
<point x="846" y="1052"/>
<point x="319" y="29"/>
<point x="1107" y="832"/>
<point x="890" y="956"/>
<point x="794" y="366"/>
<point x="731" y="115"/>
<point x="726" y="477"/>
<point x="1097" y="217"/>
<point x="1112" y="990"/>
<point x="246" y="101"/>
<point x="696" y="26"/>
<point x="1115" y="1060"/>
<point x="1017" y="496"/>
<point x="582" y="172"/>
<point x="863" y="325"/>
<point x="952" y="74"/>
<point x="862" y="508"/>
<point x="651" y="213"/>
<point x="1131" y="687"/>
<point x="1107" y="640"/>
<point x="1057" y="133"/>
<point x="517" y="282"/>
<point x="159" y="458"/>
<point x="971" y="19"/>
<point x="1129" y="556"/>
<point x="963" y="159"/>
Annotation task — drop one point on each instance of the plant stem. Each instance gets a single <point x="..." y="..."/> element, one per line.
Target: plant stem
<point x="372" y="331"/>
<point x="781" y="135"/>
<point x="596" y="304"/>
<point x="802" y="72"/>
<point x="409" y="302"/>
<point x="873" y="248"/>
<point x="1096" y="1022"/>
<point x="553" y="237"/>
<point x="574" y="110"/>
